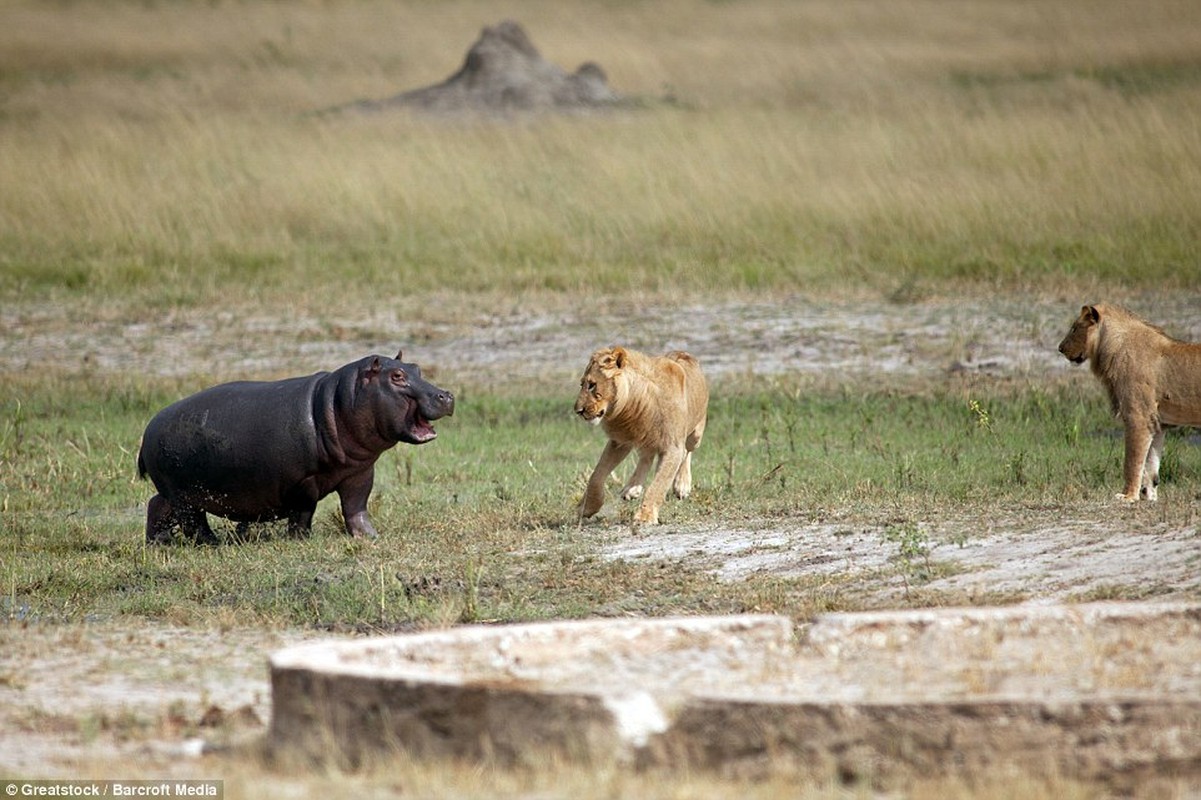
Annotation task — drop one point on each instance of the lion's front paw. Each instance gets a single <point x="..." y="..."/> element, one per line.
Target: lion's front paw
<point x="646" y="516"/>
<point x="631" y="492"/>
<point x="1126" y="498"/>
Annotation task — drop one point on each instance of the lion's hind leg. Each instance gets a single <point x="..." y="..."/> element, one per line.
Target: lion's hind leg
<point x="694" y="437"/>
<point x="669" y="465"/>
<point x="633" y="488"/>
<point x="1149" y="488"/>
<point x="682" y="486"/>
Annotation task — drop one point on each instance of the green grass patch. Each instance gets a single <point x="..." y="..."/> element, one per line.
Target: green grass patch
<point x="480" y="524"/>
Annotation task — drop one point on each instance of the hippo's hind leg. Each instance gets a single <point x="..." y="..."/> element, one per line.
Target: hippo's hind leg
<point x="300" y="522"/>
<point x="160" y="519"/>
<point x="194" y="523"/>
<point x="162" y="516"/>
<point x="242" y="532"/>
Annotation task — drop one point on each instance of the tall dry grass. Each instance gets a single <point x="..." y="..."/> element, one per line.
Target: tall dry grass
<point x="167" y="152"/>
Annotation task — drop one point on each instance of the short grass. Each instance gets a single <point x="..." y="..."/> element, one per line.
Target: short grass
<point x="480" y="524"/>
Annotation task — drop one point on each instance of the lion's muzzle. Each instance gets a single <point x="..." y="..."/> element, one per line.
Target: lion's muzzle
<point x="1078" y="358"/>
<point x="591" y="419"/>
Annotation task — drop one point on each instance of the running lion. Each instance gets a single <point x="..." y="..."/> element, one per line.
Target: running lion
<point x="655" y="405"/>
<point x="1153" y="381"/>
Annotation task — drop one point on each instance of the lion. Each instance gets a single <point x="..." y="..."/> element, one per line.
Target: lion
<point x="655" y="405"/>
<point x="1153" y="381"/>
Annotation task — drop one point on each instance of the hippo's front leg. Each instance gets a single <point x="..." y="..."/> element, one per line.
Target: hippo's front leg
<point x="354" y="493"/>
<point x="359" y="525"/>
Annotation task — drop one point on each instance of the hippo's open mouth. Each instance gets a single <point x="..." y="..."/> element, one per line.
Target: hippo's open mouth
<point x="419" y="428"/>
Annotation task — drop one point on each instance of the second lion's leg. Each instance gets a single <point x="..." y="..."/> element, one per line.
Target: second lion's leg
<point x="1149" y="489"/>
<point x="1138" y="444"/>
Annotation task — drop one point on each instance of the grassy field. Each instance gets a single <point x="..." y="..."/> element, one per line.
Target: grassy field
<point x="815" y="146"/>
<point x="168" y="157"/>
<point x="480" y="525"/>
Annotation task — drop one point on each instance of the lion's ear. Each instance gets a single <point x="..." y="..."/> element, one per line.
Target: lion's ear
<point x="1090" y="313"/>
<point x="619" y="357"/>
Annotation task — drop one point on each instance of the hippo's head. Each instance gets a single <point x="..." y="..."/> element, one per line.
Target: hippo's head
<point x="400" y="404"/>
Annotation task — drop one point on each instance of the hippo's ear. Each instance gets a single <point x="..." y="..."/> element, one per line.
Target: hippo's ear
<point x="373" y="368"/>
<point x="400" y="355"/>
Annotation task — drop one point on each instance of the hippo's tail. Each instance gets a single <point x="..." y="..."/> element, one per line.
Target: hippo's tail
<point x="141" y="465"/>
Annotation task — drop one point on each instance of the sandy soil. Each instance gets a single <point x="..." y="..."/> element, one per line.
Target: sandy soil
<point x="516" y="344"/>
<point x="157" y="695"/>
<point x="1031" y="556"/>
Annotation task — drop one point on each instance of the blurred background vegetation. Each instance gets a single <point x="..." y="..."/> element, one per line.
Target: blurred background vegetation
<point x="171" y="154"/>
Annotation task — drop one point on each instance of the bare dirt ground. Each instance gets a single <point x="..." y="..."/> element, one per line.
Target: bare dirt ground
<point x="510" y="342"/>
<point x="73" y="698"/>
<point x="1031" y="556"/>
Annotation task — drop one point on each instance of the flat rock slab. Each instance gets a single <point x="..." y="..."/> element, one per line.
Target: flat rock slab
<point x="1108" y="691"/>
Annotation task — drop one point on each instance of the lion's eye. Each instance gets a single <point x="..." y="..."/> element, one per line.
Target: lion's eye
<point x="592" y="386"/>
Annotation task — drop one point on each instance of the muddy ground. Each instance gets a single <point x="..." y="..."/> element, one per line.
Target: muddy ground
<point x="157" y="696"/>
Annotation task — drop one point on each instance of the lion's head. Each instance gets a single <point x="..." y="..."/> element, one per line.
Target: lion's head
<point x="599" y="384"/>
<point x="1081" y="342"/>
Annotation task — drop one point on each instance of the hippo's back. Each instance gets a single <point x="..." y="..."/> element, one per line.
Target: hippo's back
<point x="236" y="449"/>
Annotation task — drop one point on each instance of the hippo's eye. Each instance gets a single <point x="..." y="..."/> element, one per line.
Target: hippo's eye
<point x="398" y="376"/>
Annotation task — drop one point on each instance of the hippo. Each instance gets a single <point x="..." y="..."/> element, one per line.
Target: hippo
<point x="255" y="451"/>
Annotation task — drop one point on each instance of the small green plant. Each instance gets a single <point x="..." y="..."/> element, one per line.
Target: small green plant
<point x="982" y="417"/>
<point x="913" y="552"/>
